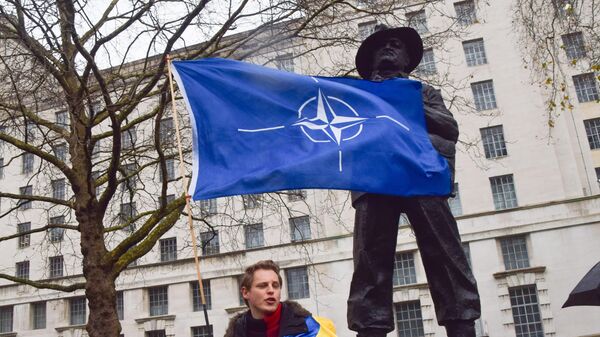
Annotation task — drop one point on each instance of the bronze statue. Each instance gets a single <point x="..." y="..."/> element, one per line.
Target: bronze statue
<point x="389" y="53"/>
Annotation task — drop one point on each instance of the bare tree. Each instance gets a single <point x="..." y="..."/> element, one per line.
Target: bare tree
<point x="559" y="38"/>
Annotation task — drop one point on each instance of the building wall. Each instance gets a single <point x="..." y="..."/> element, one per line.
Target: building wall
<point x="558" y="213"/>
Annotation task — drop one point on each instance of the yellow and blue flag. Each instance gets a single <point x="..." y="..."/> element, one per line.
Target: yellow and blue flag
<point x="257" y="129"/>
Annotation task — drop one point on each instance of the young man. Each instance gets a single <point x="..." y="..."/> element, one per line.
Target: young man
<point x="268" y="316"/>
<point x="386" y="54"/>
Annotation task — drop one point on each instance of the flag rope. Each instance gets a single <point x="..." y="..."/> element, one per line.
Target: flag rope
<point x="184" y="185"/>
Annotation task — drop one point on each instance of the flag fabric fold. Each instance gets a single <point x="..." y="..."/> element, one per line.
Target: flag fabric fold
<point x="257" y="129"/>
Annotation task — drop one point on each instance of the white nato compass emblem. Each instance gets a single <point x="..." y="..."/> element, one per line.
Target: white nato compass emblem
<point x="333" y="121"/>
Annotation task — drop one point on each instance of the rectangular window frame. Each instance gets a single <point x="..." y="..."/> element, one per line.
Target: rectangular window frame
<point x="515" y="252"/>
<point x="504" y="192"/>
<point x="158" y="301"/>
<point x="168" y="249"/>
<point x="404" y="269"/>
<point x="300" y="228"/>
<point x="484" y="95"/>
<point x="209" y="242"/>
<point x="297" y="283"/>
<point x="77" y="310"/>
<point x="475" y="54"/>
<point x="254" y="235"/>
<point x="586" y="87"/>
<point x="527" y="316"/>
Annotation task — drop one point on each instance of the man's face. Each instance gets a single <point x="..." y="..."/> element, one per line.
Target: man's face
<point x="265" y="293"/>
<point x="391" y="55"/>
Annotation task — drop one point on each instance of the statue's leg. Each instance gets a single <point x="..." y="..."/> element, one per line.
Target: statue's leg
<point x="451" y="282"/>
<point x="375" y="230"/>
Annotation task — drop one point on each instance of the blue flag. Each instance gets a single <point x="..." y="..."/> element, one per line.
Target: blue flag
<point x="257" y="129"/>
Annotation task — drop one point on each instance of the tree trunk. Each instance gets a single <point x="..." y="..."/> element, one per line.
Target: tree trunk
<point x="100" y="289"/>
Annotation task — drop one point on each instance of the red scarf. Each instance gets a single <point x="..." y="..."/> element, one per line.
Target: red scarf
<point x="272" y="322"/>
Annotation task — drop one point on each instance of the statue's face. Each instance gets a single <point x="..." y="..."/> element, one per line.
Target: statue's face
<point x="391" y="56"/>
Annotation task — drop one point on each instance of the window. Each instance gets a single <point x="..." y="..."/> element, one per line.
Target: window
<point x="465" y="12"/>
<point x="409" y="320"/>
<point x="130" y="176"/>
<point x="592" y="129"/>
<point x="168" y="249"/>
<point x="365" y="29"/>
<point x="526" y="311"/>
<point x="427" y="65"/>
<point x="514" y="252"/>
<point x="597" y="175"/>
<point x="210" y="242"/>
<point x="297" y="283"/>
<point x="454" y="202"/>
<point x="62" y="119"/>
<point x="418" y="21"/>
<point x="127" y="212"/>
<point x="1" y="168"/>
<point x="296" y="195"/>
<point x="60" y="151"/>
<point x="474" y="52"/>
<point x="208" y="207"/>
<point x="6" y="318"/>
<point x="156" y="333"/>
<point x="483" y="93"/>
<point x="38" y="315"/>
<point x="24" y="239"/>
<point x="22" y="270"/>
<point x="196" y="300"/>
<point x="574" y="45"/>
<point x="251" y="200"/>
<point x="503" y="192"/>
<point x="404" y="269"/>
<point x="27" y="163"/>
<point x="128" y="138"/>
<point x="25" y="190"/>
<point x="159" y="300"/>
<point x="300" y="228"/>
<point x="494" y="145"/>
<point x="77" y="311"/>
<point x="56" y="234"/>
<point x="55" y="265"/>
<point x="586" y="88"/>
<point x="120" y="306"/>
<point x="285" y="62"/>
<point x="166" y="131"/>
<point x="202" y="331"/>
<point x="170" y="167"/>
<point x="59" y="189"/>
<point x="254" y="235"/>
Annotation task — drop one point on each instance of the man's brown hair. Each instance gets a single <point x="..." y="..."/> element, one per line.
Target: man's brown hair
<point x="248" y="276"/>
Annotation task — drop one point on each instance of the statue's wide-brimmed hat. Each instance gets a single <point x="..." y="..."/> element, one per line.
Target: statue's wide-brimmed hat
<point x="409" y="36"/>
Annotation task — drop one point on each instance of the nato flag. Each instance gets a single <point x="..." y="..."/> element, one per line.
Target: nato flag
<point x="257" y="129"/>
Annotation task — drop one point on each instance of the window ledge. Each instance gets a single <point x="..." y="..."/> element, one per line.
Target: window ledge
<point x="152" y="318"/>
<point x="8" y="334"/>
<point x="412" y="286"/>
<point x="504" y="274"/>
<point x="235" y="309"/>
<point x="70" y="327"/>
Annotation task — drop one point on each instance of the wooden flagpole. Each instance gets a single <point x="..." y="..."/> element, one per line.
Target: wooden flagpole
<point x="187" y="196"/>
